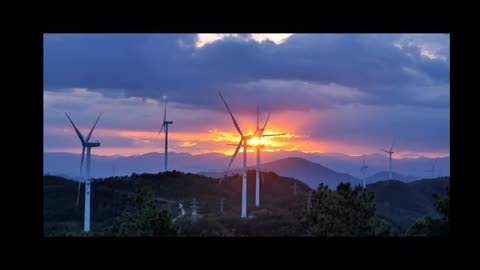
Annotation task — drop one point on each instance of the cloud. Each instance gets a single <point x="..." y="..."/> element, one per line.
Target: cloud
<point x="141" y="65"/>
<point x="187" y="144"/>
<point x="338" y="91"/>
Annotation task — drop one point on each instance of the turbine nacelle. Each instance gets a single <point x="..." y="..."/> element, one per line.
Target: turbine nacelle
<point x="388" y="152"/>
<point x="92" y="144"/>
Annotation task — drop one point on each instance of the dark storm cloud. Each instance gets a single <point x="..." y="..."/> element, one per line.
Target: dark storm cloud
<point x="157" y="65"/>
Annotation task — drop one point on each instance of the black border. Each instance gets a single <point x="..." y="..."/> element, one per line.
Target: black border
<point x="312" y="248"/>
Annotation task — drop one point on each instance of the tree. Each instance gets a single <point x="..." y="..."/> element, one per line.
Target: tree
<point x="429" y="226"/>
<point x="344" y="212"/>
<point x="146" y="220"/>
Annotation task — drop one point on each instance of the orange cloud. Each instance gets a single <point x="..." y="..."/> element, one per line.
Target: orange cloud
<point x="188" y="144"/>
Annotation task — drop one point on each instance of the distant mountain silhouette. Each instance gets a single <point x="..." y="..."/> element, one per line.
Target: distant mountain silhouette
<point x="309" y="172"/>
<point x="385" y="175"/>
<point x="104" y="166"/>
<point x="306" y="171"/>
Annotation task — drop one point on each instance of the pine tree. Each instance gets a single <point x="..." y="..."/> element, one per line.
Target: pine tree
<point x="429" y="226"/>
<point x="344" y="212"/>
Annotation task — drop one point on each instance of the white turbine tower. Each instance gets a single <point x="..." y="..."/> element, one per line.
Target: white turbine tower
<point x="259" y="134"/>
<point x="88" y="145"/>
<point x="390" y="152"/>
<point x="165" y="125"/>
<point x="432" y="170"/>
<point x="363" y="169"/>
<point x="243" y="141"/>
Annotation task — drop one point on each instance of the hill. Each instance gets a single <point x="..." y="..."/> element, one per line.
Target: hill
<point x="308" y="172"/>
<point x="404" y="202"/>
<point x="398" y="203"/>
<point x="385" y="175"/>
<point x="109" y="198"/>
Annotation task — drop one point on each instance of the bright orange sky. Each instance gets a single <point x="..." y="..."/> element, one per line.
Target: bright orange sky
<point x="213" y="141"/>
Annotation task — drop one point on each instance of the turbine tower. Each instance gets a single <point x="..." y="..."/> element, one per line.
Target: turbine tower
<point x="432" y="170"/>
<point x="243" y="142"/>
<point x="390" y="152"/>
<point x="165" y="125"/>
<point x="363" y="169"/>
<point x="259" y="134"/>
<point x="221" y="206"/>
<point x="309" y="200"/>
<point x="88" y="145"/>
<point x="194" y="210"/>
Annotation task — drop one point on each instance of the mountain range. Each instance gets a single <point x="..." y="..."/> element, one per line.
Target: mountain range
<point x="308" y="172"/>
<point x="326" y="166"/>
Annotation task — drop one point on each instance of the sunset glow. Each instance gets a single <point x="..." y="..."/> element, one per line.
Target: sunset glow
<point x="338" y="111"/>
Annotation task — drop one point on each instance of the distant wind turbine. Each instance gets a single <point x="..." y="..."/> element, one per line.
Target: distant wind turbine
<point x="165" y="125"/>
<point x="243" y="141"/>
<point x="390" y="152"/>
<point x="88" y="145"/>
<point x="259" y="134"/>
<point x="363" y="169"/>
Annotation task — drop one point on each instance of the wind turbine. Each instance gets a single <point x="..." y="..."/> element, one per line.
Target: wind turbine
<point x="165" y="125"/>
<point x="390" y="152"/>
<point x="88" y="145"/>
<point x="243" y="141"/>
<point x="259" y="134"/>
<point x="363" y="169"/>
<point x="432" y="170"/>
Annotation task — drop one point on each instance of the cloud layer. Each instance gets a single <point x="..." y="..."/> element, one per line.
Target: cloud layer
<point x="356" y="89"/>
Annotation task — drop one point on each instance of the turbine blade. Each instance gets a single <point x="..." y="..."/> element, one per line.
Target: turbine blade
<point x="384" y="150"/>
<point x="78" y="193"/>
<point x="231" y="114"/>
<point x="165" y="112"/>
<point x="393" y="143"/>
<point x="257" y="117"/>
<point x="90" y="134"/>
<point x="272" y="135"/>
<point x="235" y="154"/>
<point x="266" y="121"/>
<point x="163" y="125"/>
<point x="80" y="136"/>
<point x="81" y="162"/>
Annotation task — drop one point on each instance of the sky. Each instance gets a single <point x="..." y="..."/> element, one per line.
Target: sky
<point x="344" y="93"/>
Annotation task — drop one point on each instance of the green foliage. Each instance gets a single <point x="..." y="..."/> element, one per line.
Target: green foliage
<point x="146" y="220"/>
<point x="403" y="203"/>
<point x="344" y="212"/>
<point x="429" y="226"/>
<point x="143" y="205"/>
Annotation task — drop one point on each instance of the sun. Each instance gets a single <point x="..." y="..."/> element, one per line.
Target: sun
<point x="256" y="141"/>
